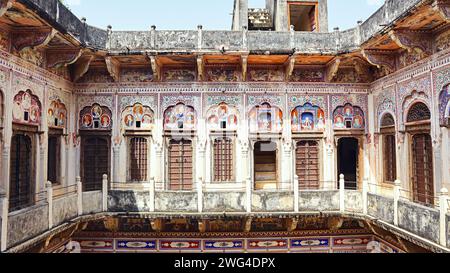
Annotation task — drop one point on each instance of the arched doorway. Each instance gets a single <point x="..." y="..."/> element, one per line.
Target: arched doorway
<point x="348" y="161"/>
<point x="421" y="160"/>
<point x="265" y="165"/>
<point x="21" y="180"/>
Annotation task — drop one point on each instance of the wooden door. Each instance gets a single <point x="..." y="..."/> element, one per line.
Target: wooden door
<point x="20" y="183"/>
<point x="265" y="165"/>
<point x="423" y="188"/>
<point x="95" y="162"/>
<point x="180" y="165"/>
<point x="307" y="164"/>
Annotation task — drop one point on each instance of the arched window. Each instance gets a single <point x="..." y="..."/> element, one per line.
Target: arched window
<point x="387" y="120"/>
<point x="308" y="118"/>
<point x="389" y="148"/>
<point x="265" y="118"/>
<point x="348" y="117"/>
<point x="418" y="112"/>
<point x="180" y="117"/>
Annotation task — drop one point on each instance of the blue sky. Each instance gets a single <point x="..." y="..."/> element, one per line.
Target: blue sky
<point x="187" y="14"/>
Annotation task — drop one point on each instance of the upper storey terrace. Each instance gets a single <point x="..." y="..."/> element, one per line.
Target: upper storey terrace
<point x="398" y="34"/>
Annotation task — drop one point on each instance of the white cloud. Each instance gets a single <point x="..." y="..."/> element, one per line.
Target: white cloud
<point x="375" y="2"/>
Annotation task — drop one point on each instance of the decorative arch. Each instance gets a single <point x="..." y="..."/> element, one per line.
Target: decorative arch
<point x="95" y="117"/>
<point x="222" y="116"/>
<point x="57" y="115"/>
<point x="419" y="111"/>
<point x="349" y="117"/>
<point x="387" y="119"/>
<point x="138" y="117"/>
<point x="27" y="108"/>
<point x="308" y="117"/>
<point x="444" y="107"/>
<point x="265" y="118"/>
<point x="180" y="117"/>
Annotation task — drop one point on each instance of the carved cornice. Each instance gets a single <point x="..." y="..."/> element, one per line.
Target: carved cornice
<point x="443" y="7"/>
<point x="332" y="69"/>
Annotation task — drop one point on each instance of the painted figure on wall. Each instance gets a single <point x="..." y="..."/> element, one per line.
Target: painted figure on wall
<point x="308" y="118"/>
<point x="57" y="114"/>
<point x="348" y="117"/>
<point x="444" y="107"/>
<point x="266" y="118"/>
<point x="138" y="117"/>
<point x="222" y="117"/>
<point x="26" y="108"/>
<point x="95" y="117"/>
<point x="180" y="117"/>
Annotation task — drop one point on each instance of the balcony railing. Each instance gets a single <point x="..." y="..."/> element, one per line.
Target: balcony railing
<point x="387" y="203"/>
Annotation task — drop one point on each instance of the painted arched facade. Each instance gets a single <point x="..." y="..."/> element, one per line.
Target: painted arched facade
<point x="95" y="117"/>
<point x="180" y="117"/>
<point x="138" y="117"/>
<point x="57" y="114"/>
<point x="222" y="117"/>
<point x="348" y="117"/>
<point x="27" y="108"/>
<point x="265" y="118"/>
<point x="308" y="117"/>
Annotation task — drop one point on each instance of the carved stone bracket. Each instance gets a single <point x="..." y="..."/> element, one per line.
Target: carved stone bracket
<point x="413" y="41"/>
<point x="248" y="224"/>
<point x="443" y="7"/>
<point x="5" y="5"/>
<point x="200" y="68"/>
<point x="81" y="66"/>
<point x="62" y="57"/>
<point x="361" y="68"/>
<point x="244" y="64"/>
<point x="332" y="69"/>
<point x="290" y="66"/>
<point x="293" y="222"/>
<point x="113" y="66"/>
<point x="380" y="58"/>
<point x="157" y="224"/>
<point x="34" y="38"/>
<point x="156" y="68"/>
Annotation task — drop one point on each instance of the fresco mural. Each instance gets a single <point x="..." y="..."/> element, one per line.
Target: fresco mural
<point x="348" y="117"/>
<point x="265" y="118"/>
<point x="95" y="117"/>
<point x="222" y="117"/>
<point x="57" y="115"/>
<point x="444" y="107"/>
<point x="180" y="117"/>
<point x="27" y="108"/>
<point x="308" y="118"/>
<point x="138" y="117"/>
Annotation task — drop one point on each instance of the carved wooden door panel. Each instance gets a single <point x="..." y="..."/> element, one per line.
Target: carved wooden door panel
<point x="180" y="165"/>
<point x="307" y="164"/>
<point x="95" y="162"/>
<point x="423" y="188"/>
<point x="20" y="177"/>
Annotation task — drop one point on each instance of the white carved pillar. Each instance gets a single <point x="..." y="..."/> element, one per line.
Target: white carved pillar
<point x="116" y="168"/>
